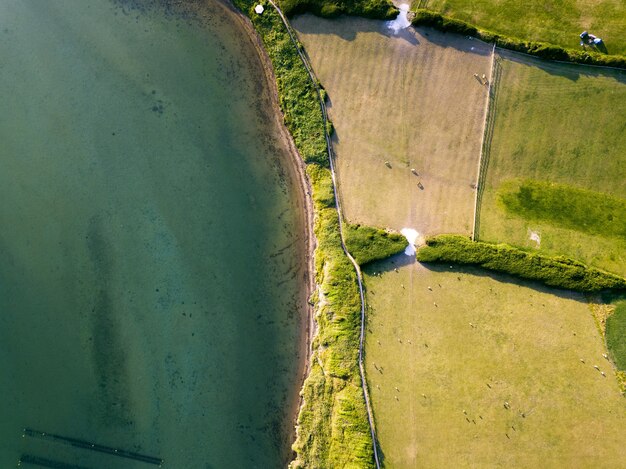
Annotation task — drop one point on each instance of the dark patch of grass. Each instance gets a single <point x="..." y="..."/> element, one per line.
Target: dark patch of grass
<point x="616" y="335"/>
<point x="560" y="272"/>
<point x="375" y="9"/>
<point x="565" y="206"/>
<point x="367" y="244"/>
<point x="539" y="49"/>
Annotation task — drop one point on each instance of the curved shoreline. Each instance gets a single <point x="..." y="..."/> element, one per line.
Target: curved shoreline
<point x="297" y="172"/>
<point x="359" y="275"/>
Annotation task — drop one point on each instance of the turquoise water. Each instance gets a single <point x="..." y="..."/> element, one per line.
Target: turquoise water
<point x="150" y="247"/>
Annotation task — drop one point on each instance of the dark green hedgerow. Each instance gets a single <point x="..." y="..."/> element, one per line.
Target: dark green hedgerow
<point x="332" y="427"/>
<point x="559" y="272"/>
<point x="539" y="49"/>
<point x="367" y="244"/>
<point x="375" y="9"/>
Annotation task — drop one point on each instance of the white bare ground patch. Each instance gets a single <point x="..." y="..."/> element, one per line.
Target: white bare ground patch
<point x="402" y="21"/>
<point x="411" y="236"/>
<point x="536" y="237"/>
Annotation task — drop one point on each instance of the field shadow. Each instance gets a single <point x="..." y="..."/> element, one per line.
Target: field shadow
<point x="504" y="278"/>
<point x="389" y="264"/>
<point x="347" y="27"/>
<point x="454" y="41"/>
<point x="571" y="71"/>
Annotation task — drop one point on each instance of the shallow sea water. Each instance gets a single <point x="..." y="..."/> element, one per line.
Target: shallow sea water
<point x="149" y="240"/>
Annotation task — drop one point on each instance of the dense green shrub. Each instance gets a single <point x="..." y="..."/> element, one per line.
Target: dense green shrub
<point x="558" y="271"/>
<point x="367" y="244"/>
<point x="376" y="9"/>
<point x="616" y="335"/>
<point x="540" y="49"/>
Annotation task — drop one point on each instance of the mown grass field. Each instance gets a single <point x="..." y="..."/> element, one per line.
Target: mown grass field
<point x="459" y="340"/>
<point x="557" y="21"/>
<point x="411" y="100"/>
<point x="559" y="124"/>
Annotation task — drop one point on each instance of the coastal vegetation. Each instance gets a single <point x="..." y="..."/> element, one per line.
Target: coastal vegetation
<point x="448" y="349"/>
<point x="578" y="157"/>
<point x="379" y="9"/>
<point x="332" y="426"/>
<point x="367" y="244"/>
<point x="530" y="27"/>
<point x="402" y="116"/>
<point x="559" y="272"/>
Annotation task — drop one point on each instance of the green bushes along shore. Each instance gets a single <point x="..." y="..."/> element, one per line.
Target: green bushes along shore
<point x="332" y="427"/>
<point x="367" y="244"/>
<point x="559" y="272"/>
<point x="540" y="49"/>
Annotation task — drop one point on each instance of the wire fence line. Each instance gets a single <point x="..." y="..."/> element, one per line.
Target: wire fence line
<point x="485" y="149"/>
<point x="331" y="157"/>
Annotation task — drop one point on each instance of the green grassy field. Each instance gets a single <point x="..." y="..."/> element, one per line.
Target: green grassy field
<point x="563" y="125"/>
<point x="410" y="100"/>
<point x="557" y="21"/>
<point x="446" y="349"/>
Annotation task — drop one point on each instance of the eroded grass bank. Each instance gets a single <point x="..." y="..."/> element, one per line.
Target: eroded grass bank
<point x="332" y="427"/>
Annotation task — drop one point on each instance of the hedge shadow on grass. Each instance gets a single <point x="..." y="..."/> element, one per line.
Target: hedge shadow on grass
<point x="388" y="265"/>
<point x="571" y="71"/>
<point x="347" y="28"/>
<point x="505" y="278"/>
<point x="452" y="40"/>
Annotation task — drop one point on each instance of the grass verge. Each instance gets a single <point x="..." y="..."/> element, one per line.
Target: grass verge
<point x="367" y="244"/>
<point x="559" y="272"/>
<point x="566" y="206"/>
<point x="377" y="9"/>
<point x="616" y="335"/>
<point x="332" y="427"/>
<point x="540" y="49"/>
